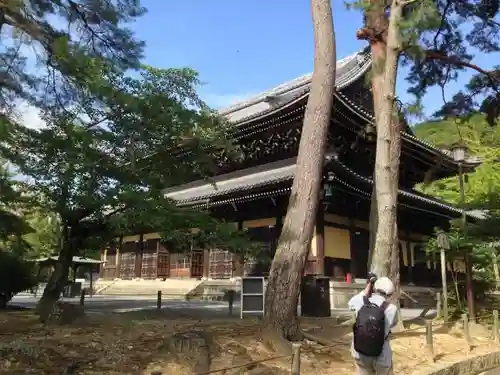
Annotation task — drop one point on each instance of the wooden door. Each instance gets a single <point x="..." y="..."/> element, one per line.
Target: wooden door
<point x="109" y="268"/>
<point x="197" y="264"/>
<point x="360" y="247"/>
<point x="150" y="259"/>
<point x="220" y="264"/>
<point x="127" y="265"/>
<point x="163" y="263"/>
<point x="180" y="264"/>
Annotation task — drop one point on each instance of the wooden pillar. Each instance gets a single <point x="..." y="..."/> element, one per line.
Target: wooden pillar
<point x="410" y="257"/>
<point x="320" y="239"/>
<point x="104" y="265"/>
<point x="138" y="256"/>
<point x="279" y="226"/>
<point x="239" y="259"/>
<point x="157" y="256"/>
<point x="118" y="256"/>
<point x="353" y="266"/>
<point x="206" y="264"/>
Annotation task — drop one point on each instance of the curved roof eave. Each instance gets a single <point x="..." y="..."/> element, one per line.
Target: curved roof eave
<point x="404" y="193"/>
<point x="348" y="70"/>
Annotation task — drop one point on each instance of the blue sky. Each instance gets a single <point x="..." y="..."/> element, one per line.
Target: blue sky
<point x="244" y="47"/>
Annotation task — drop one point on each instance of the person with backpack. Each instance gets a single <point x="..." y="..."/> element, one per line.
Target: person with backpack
<point x="375" y="317"/>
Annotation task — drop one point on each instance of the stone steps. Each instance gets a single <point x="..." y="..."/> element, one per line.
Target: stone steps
<point x="171" y="288"/>
<point x="214" y="290"/>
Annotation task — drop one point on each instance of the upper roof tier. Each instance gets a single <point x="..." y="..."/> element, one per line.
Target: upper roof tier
<point x="349" y="69"/>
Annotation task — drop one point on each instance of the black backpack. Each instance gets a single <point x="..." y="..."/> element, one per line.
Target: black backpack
<point x="369" y="329"/>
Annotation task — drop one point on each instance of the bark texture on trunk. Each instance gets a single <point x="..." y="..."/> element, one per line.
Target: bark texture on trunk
<point x="376" y="21"/>
<point x="394" y="168"/>
<point x="57" y="280"/>
<point x="287" y="268"/>
<point x="386" y="184"/>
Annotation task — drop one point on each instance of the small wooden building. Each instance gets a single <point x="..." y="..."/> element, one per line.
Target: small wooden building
<point x="253" y="193"/>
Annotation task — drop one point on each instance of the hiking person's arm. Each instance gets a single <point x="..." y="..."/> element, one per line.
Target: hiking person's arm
<point x="356" y="301"/>
<point x="391" y="314"/>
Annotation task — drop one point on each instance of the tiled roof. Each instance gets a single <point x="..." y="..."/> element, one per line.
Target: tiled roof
<point x="273" y="173"/>
<point x="242" y="180"/>
<point x="348" y="70"/>
<point x="412" y="194"/>
<point x="76" y="260"/>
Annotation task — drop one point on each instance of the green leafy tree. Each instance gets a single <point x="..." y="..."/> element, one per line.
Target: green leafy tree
<point x="12" y="223"/>
<point x="48" y="47"/>
<point x="479" y="242"/>
<point x="482" y="186"/>
<point x="106" y="179"/>
<point x="44" y="239"/>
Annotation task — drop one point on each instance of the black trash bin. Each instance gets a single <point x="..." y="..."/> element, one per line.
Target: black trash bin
<point x="76" y="289"/>
<point x="72" y="289"/>
<point x="315" y="296"/>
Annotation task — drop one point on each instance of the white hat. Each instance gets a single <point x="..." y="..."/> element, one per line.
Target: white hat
<point x="385" y="285"/>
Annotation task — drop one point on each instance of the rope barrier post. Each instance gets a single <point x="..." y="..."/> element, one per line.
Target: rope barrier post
<point x="353" y="317"/>
<point x="335" y="319"/>
<point x="82" y="297"/>
<point x="496" y="337"/>
<point x="465" y="320"/>
<point x="429" y="340"/>
<point x="158" y="300"/>
<point x="230" y="299"/>
<point x="439" y="308"/>
<point x="296" y="358"/>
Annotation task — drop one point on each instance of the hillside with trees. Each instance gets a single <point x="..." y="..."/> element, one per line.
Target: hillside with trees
<point x="482" y="187"/>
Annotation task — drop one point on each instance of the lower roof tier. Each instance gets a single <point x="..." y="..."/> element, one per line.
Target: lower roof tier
<point x="275" y="179"/>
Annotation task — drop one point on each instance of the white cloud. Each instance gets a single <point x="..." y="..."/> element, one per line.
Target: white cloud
<point x="30" y="116"/>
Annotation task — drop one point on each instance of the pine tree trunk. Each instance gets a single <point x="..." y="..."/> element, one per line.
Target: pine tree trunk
<point x="395" y="272"/>
<point x="376" y="21"/>
<point x="385" y="181"/>
<point x="394" y="166"/>
<point x="288" y="264"/>
<point x="57" y="280"/>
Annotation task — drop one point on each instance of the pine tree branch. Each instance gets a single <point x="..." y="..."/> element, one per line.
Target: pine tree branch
<point x="454" y="60"/>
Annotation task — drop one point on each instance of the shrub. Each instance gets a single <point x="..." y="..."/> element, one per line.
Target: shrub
<point x="16" y="275"/>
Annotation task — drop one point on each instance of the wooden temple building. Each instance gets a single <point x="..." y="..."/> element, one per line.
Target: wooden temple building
<point x="253" y="192"/>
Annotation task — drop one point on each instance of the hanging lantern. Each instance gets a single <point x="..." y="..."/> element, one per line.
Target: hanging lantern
<point x="370" y="132"/>
<point x="328" y="189"/>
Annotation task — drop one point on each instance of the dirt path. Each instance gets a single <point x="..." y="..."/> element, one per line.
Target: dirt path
<point x="140" y="343"/>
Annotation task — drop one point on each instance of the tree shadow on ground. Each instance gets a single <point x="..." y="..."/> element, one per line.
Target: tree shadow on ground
<point x="135" y="342"/>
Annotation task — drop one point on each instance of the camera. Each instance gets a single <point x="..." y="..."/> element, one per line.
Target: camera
<point x="372" y="278"/>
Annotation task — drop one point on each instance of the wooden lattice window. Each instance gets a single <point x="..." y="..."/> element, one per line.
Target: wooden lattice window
<point x="109" y="267"/>
<point x="149" y="260"/>
<point x="127" y="265"/>
<point x="221" y="264"/>
<point x="163" y="265"/>
<point x="180" y="264"/>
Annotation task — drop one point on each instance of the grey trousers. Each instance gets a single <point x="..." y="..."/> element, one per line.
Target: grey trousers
<point x="370" y="367"/>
